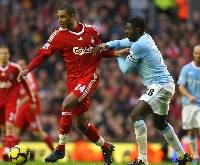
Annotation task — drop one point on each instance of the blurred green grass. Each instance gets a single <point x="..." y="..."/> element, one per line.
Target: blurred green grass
<point x="71" y="163"/>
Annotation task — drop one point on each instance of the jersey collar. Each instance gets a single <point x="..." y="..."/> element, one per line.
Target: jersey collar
<point x="5" y="68"/>
<point x="196" y="67"/>
<point x="79" y="33"/>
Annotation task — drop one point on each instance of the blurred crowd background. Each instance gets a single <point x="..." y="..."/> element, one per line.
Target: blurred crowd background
<point x="25" y="26"/>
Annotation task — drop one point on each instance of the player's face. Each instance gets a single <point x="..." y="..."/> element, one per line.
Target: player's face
<point x="64" y="19"/>
<point x="196" y="54"/>
<point x="4" y="55"/>
<point x="131" y="32"/>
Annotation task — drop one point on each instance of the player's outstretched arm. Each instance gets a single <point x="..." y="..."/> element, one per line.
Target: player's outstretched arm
<point x="116" y="44"/>
<point x="122" y="53"/>
<point x="99" y="48"/>
<point x="126" y="64"/>
<point x="114" y="53"/>
<point x="119" y="44"/>
<point x="33" y="64"/>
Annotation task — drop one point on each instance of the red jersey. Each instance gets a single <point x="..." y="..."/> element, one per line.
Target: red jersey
<point x="34" y="89"/>
<point x="9" y="87"/>
<point x="75" y="48"/>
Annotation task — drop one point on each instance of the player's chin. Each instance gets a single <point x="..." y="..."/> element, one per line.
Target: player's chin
<point x="62" y="26"/>
<point x="126" y="35"/>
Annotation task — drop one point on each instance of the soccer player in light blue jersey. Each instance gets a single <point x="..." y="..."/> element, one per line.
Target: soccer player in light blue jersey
<point x="189" y="87"/>
<point x="147" y="59"/>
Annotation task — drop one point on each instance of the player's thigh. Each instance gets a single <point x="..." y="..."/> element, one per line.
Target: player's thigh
<point x="81" y="107"/>
<point x="21" y="121"/>
<point x="141" y="110"/>
<point x="158" y="97"/>
<point x="191" y="116"/>
<point x="31" y="119"/>
<point x="86" y="86"/>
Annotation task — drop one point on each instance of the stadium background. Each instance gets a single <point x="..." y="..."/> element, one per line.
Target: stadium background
<point x="175" y="25"/>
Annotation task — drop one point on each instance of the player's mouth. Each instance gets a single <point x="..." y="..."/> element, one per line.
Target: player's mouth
<point x="62" y="25"/>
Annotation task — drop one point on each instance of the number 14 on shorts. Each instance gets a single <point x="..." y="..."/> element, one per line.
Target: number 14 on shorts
<point x="80" y="88"/>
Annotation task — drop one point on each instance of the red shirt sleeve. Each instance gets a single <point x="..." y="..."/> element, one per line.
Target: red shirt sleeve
<point x="37" y="61"/>
<point x="96" y="36"/>
<point x="108" y="54"/>
<point x="51" y="47"/>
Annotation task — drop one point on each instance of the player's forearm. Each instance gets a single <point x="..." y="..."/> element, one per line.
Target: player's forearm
<point x="125" y="65"/>
<point x="36" y="61"/>
<point x="109" y="54"/>
<point x="117" y="44"/>
<point x="113" y="44"/>
<point x="184" y="91"/>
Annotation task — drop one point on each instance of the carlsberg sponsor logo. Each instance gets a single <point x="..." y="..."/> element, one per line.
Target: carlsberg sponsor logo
<point x="80" y="50"/>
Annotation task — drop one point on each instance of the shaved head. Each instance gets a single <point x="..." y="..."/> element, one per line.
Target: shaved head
<point x="197" y="48"/>
<point x="196" y="55"/>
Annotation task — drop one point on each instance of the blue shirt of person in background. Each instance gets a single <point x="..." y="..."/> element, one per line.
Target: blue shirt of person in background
<point x="190" y="78"/>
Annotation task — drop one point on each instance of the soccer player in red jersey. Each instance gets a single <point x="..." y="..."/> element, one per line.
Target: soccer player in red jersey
<point x="74" y="42"/>
<point x="28" y="113"/>
<point x="9" y="91"/>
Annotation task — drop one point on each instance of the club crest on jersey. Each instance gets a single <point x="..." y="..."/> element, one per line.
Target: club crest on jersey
<point x="80" y="50"/>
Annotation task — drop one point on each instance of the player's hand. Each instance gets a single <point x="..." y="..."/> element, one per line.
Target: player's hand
<point x="192" y="99"/>
<point x="123" y="52"/>
<point x="99" y="48"/>
<point x="22" y="74"/>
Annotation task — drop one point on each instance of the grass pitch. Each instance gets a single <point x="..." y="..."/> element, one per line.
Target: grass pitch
<point x="72" y="163"/>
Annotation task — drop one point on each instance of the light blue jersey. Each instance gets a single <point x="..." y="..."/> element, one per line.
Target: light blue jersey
<point x="190" y="78"/>
<point x="145" y="57"/>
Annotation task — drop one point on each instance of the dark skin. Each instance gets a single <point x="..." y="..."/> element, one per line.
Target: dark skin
<point x="142" y="108"/>
<point x="68" y="21"/>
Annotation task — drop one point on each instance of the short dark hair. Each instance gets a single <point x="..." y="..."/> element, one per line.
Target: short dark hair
<point x="68" y="8"/>
<point x="138" y="23"/>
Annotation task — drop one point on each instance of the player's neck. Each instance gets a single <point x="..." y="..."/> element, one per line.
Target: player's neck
<point x="4" y="64"/>
<point x="73" y="26"/>
<point x="197" y="64"/>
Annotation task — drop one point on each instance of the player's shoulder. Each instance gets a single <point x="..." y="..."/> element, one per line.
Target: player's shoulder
<point x="138" y="46"/>
<point x="145" y="42"/>
<point x="188" y="66"/>
<point x="90" y="28"/>
<point x="54" y="34"/>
